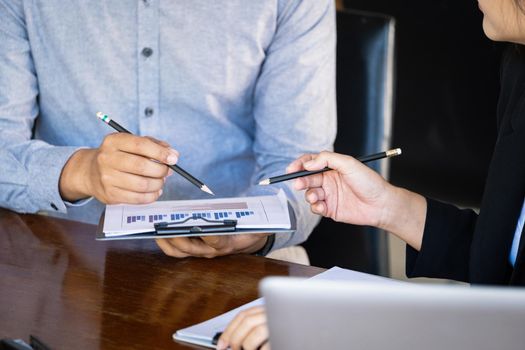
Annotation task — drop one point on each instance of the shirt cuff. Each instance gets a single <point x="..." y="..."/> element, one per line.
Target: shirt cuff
<point x="45" y="168"/>
<point x="78" y="203"/>
<point x="281" y="239"/>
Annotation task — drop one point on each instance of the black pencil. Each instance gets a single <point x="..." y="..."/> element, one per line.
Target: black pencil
<point x="364" y="159"/>
<point x="175" y="168"/>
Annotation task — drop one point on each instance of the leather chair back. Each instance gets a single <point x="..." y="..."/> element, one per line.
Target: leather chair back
<point x="365" y="89"/>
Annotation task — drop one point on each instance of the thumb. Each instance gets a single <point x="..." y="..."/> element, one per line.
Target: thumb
<point x="339" y="162"/>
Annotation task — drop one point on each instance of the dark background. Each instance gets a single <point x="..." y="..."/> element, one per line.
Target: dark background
<point x="446" y="90"/>
<point x="446" y="95"/>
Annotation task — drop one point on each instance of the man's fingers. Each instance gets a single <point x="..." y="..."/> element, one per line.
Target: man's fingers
<point x="158" y="142"/>
<point x="142" y="146"/>
<point x="134" y="183"/>
<point x="133" y="164"/>
<point x="217" y="242"/>
<point x="115" y="195"/>
<point x="169" y="249"/>
<point x="190" y="247"/>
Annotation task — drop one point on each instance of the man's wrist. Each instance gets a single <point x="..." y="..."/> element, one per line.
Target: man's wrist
<point x="267" y="247"/>
<point x="72" y="183"/>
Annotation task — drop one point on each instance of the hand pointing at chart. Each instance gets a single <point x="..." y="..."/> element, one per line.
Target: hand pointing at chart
<point x="120" y="170"/>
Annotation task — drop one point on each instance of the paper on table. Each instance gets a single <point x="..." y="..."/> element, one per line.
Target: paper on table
<point x="250" y="212"/>
<point x="203" y="333"/>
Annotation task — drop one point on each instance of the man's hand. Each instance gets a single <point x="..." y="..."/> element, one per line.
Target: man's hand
<point x="124" y="169"/>
<point x="212" y="246"/>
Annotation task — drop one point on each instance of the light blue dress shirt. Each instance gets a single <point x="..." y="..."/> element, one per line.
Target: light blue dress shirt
<point x="517" y="237"/>
<point x="240" y="88"/>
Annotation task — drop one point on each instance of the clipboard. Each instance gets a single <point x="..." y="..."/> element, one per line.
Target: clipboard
<point x="220" y="229"/>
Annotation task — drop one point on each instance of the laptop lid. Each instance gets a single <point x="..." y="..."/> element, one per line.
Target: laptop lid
<point x="342" y="315"/>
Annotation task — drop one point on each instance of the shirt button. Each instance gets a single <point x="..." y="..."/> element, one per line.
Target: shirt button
<point x="146" y="52"/>
<point x="54" y="206"/>
<point x="148" y="112"/>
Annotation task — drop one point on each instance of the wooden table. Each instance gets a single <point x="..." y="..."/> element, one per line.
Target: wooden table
<point x="73" y="292"/>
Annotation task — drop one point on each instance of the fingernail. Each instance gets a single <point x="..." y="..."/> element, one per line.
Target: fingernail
<point x="170" y="172"/>
<point x="221" y="345"/>
<point x="160" y="192"/>
<point x="173" y="157"/>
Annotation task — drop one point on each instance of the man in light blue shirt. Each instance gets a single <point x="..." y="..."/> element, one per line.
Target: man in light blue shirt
<point x="234" y="89"/>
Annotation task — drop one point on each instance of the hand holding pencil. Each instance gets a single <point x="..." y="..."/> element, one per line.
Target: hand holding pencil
<point x="125" y="168"/>
<point x="348" y="192"/>
<point x="120" y="170"/>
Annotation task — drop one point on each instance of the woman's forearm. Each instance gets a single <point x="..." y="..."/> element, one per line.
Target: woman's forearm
<point x="405" y="215"/>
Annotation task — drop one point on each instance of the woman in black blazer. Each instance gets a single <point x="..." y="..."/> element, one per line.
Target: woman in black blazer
<point x="442" y="240"/>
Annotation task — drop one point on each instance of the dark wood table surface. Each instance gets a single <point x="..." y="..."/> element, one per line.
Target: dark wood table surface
<point x="73" y="292"/>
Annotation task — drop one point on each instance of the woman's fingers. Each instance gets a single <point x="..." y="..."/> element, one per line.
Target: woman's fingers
<point x="313" y="195"/>
<point x="241" y="326"/>
<point x="319" y="208"/>
<point x="256" y="337"/>
<point x="310" y="181"/>
<point x="297" y="165"/>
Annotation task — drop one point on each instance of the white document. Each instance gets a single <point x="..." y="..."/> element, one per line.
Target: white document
<point x="263" y="212"/>
<point x="203" y="333"/>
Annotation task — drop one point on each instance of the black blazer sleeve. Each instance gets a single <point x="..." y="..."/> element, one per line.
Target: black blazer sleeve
<point x="445" y="251"/>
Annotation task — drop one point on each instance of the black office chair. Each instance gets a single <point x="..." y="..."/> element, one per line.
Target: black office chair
<point x="365" y="83"/>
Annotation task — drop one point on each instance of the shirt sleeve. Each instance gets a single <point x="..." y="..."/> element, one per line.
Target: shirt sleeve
<point x="30" y="168"/>
<point x="445" y="250"/>
<point x="294" y="101"/>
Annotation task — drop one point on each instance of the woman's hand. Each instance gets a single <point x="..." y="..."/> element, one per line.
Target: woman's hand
<point x="247" y="331"/>
<point x="355" y="194"/>
<point x="351" y="193"/>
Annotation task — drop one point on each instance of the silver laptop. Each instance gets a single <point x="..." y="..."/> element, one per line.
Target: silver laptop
<point x="344" y="315"/>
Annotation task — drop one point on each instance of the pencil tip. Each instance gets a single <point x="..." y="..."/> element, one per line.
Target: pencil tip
<point x="207" y="190"/>
<point x="264" y="182"/>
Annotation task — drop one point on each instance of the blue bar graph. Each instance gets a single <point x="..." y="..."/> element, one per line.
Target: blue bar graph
<point x="217" y="215"/>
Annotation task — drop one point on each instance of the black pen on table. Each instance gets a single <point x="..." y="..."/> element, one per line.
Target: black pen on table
<point x="364" y="159"/>
<point x="175" y="168"/>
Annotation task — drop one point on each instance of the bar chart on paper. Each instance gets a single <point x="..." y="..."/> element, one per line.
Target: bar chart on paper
<point x="250" y="212"/>
<point x="220" y="212"/>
